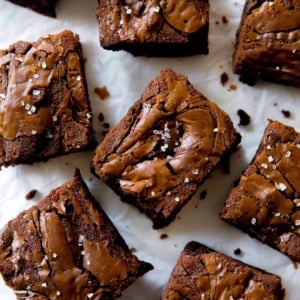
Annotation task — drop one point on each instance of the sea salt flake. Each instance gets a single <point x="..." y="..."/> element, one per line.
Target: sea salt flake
<point x="285" y="237"/>
<point x="253" y="221"/>
<point x="2" y="96"/>
<point x="270" y="158"/>
<point x="215" y="130"/>
<point x="35" y="92"/>
<point x="54" y="255"/>
<point x="264" y="165"/>
<point x="177" y="199"/>
<point x="195" y="172"/>
<point x="44" y="65"/>
<point x="186" y="180"/>
<point x="90" y="295"/>
<point x="280" y="186"/>
<point x="35" y="75"/>
<point x="33" y="132"/>
<point x="152" y="193"/>
<point x="269" y="147"/>
<point x="277" y="214"/>
<point x="288" y="154"/>
<point x="58" y="293"/>
<point x="54" y="118"/>
<point x="44" y="284"/>
<point x="78" y="78"/>
<point x="297" y="222"/>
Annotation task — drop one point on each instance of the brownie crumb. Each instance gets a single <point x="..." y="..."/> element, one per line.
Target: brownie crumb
<point x="296" y="265"/>
<point x="102" y="92"/>
<point x="106" y="125"/>
<point x="104" y="132"/>
<point x="224" y="78"/>
<point x="232" y="87"/>
<point x="217" y="22"/>
<point x="133" y="250"/>
<point x="203" y="195"/>
<point x="224" y="20"/>
<point x="100" y="117"/>
<point x="163" y="236"/>
<point x="244" y="118"/>
<point x="30" y="195"/>
<point x="286" y="113"/>
<point x="237" y="251"/>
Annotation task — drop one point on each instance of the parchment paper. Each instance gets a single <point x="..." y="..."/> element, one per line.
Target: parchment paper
<point x="125" y="77"/>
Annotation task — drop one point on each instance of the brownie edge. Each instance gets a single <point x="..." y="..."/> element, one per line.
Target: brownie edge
<point x="65" y="247"/>
<point x="203" y="273"/>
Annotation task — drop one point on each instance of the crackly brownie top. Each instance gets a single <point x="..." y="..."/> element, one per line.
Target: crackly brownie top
<point x="33" y="77"/>
<point x="267" y="200"/>
<point x="272" y="27"/>
<point x="167" y="143"/>
<point x="201" y="273"/>
<point x="66" y="248"/>
<point x="141" y="20"/>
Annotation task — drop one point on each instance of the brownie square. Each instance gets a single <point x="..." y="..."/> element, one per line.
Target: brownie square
<point x="266" y="201"/>
<point x="66" y="247"/>
<point x="44" y="104"/>
<point x="45" y="7"/>
<point x="202" y="273"/>
<point x="169" y="141"/>
<point x="154" y="28"/>
<point x="267" y="45"/>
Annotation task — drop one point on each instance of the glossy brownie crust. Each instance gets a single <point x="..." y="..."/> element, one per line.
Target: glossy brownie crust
<point x="66" y="248"/>
<point x="154" y="27"/>
<point x="202" y="273"/>
<point x="268" y="42"/>
<point x="266" y="202"/>
<point x="45" y="7"/>
<point x="44" y="105"/>
<point x="169" y="141"/>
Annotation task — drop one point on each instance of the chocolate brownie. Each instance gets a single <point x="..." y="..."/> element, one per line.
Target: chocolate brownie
<point x="154" y="27"/>
<point x="202" y="273"/>
<point x="44" y="104"/>
<point x="45" y="7"/>
<point x="66" y="247"/>
<point x="267" y="45"/>
<point x="169" y="141"/>
<point x="266" y="201"/>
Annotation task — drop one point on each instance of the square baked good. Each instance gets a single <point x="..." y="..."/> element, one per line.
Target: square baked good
<point x="267" y="44"/>
<point x="154" y="27"/>
<point x="45" y="7"/>
<point x="266" y="201"/>
<point x="169" y="141"/>
<point x="202" y="273"/>
<point x="66" y="248"/>
<point x="44" y="105"/>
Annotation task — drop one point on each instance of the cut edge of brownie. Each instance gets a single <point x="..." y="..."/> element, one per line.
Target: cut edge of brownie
<point x="45" y="7"/>
<point x="96" y="238"/>
<point x="194" y="249"/>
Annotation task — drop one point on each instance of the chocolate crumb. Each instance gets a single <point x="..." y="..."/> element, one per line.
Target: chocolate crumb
<point x="132" y="250"/>
<point x="104" y="132"/>
<point x="100" y="117"/>
<point x="224" y="78"/>
<point x="286" y="113"/>
<point x="163" y="236"/>
<point x="106" y="125"/>
<point x="30" y="195"/>
<point x="232" y="87"/>
<point x="102" y="92"/>
<point x="244" y="118"/>
<point x="224" y="20"/>
<point x="237" y="251"/>
<point x="217" y="22"/>
<point x="203" y="195"/>
<point x="296" y="265"/>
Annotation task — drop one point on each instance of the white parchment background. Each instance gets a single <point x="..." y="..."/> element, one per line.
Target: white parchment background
<point x="125" y="77"/>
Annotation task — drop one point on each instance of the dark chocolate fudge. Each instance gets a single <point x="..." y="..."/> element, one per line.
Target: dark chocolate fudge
<point x="66" y="248"/>
<point x="266" y="201"/>
<point x="267" y="45"/>
<point x="45" y="7"/>
<point x="154" y="27"/>
<point x="204" y="274"/>
<point x="44" y="104"/>
<point x="169" y="141"/>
